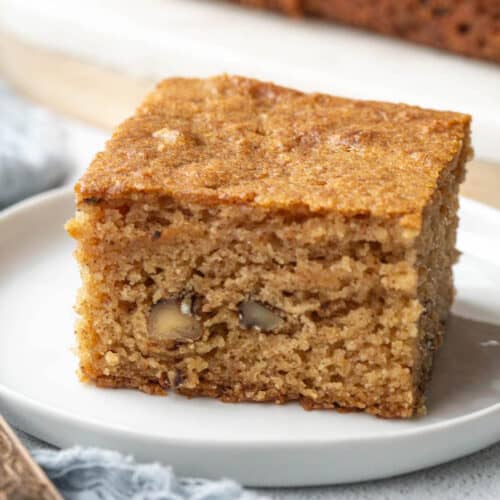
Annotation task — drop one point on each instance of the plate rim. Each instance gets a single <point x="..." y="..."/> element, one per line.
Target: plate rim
<point x="29" y="403"/>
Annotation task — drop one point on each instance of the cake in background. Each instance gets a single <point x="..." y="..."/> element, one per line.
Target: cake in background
<point x="469" y="27"/>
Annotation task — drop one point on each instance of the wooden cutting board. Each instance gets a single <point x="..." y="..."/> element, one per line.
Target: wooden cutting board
<point x="103" y="98"/>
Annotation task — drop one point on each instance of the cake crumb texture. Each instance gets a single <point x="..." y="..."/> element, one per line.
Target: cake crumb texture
<point x="247" y="242"/>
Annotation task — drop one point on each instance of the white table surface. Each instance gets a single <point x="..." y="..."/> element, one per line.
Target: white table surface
<point x="475" y="477"/>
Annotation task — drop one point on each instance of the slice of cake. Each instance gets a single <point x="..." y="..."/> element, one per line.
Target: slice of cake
<point x="249" y="242"/>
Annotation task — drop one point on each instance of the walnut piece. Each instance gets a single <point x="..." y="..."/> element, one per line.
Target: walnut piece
<point x="173" y="320"/>
<point x="256" y="315"/>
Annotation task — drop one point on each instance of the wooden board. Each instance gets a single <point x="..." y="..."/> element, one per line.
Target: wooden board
<point x="103" y="98"/>
<point x="20" y="475"/>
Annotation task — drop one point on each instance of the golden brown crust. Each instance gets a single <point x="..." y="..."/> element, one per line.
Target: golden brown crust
<point x="230" y="139"/>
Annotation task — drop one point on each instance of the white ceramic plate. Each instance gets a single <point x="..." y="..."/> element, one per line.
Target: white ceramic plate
<point x="264" y="444"/>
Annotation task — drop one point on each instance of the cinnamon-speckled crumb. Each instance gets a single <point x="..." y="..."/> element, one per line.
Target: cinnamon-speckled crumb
<point x="337" y="218"/>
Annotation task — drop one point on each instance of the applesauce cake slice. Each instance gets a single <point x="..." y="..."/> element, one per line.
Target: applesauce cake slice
<point x="249" y="242"/>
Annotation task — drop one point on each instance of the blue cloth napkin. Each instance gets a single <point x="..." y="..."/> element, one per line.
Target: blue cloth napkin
<point x="94" y="474"/>
<point x="33" y="154"/>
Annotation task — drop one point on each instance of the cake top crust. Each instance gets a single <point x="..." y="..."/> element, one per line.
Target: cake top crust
<point x="235" y="140"/>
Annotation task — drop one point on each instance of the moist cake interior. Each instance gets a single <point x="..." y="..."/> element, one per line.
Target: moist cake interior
<point x="360" y="301"/>
<point x="246" y="241"/>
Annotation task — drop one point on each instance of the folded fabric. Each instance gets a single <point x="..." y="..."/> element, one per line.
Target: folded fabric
<point x="32" y="149"/>
<point x="94" y="474"/>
